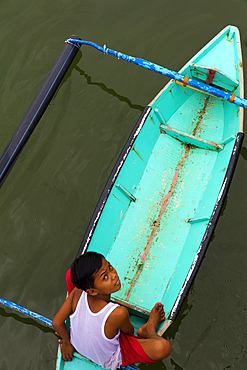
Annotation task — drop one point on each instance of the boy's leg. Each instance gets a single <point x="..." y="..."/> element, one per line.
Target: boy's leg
<point x="156" y="347"/>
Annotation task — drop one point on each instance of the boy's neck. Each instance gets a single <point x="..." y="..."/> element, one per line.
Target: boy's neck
<point x="96" y="303"/>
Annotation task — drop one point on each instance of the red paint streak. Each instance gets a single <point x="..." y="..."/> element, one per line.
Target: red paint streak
<point x="155" y="226"/>
<point x="134" y="280"/>
<point x="202" y="113"/>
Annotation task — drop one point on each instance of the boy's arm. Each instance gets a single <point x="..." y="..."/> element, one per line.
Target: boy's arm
<point x="58" y="324"/>
<point x="119" y="318"/>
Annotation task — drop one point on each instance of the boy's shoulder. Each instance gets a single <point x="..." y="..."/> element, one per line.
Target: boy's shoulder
<point x="118" y="319"/>
<point x="120" y="314"/>
<point x="75" y="296"/>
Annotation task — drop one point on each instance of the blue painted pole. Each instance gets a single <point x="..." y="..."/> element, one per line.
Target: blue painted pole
<point x="166" y="72"/>
<point x="33" y="315"/>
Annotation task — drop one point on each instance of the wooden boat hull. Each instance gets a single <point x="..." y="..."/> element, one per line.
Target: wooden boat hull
<point x="159" y="208"/>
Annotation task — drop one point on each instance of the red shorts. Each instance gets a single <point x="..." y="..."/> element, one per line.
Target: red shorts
<point x="131" y="351"/>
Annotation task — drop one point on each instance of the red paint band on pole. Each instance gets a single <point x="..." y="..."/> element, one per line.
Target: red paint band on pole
<point x="186" y="78"/>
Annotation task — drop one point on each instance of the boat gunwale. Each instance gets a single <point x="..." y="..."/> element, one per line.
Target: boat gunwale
<point x="241" y="78"/>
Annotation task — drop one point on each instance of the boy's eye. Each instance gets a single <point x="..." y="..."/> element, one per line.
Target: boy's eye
<point x="105" y="277"/>
<point x="110" y="267"/>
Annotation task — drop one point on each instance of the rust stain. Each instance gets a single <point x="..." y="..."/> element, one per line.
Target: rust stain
<point x="184" y="90"/>
<point x="138" y="273"/>
<point x="156" y="224"/>
<point x="134" y="149"/>
<point x="170" y="91"/>
<point x="201" y="115"/>
<point x="117" y="198"/>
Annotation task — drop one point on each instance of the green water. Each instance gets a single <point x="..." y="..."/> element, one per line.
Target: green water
<point x="50" y="194"/>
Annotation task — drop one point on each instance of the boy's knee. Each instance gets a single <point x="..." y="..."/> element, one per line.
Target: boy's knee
<point x="163" y="349"/>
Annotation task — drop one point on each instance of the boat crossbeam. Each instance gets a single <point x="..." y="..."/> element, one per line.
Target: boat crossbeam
<point x="185" y="137"/>
<point x="193" y="220"/>
<point x="126" y="192"/>
<point x="190" y="139"/>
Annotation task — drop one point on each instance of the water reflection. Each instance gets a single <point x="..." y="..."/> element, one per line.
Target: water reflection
<point x="26" y="321"/>
<point x="243" y="152"/>
<point x="173" y="329"/>
<point x="108" y="90"/>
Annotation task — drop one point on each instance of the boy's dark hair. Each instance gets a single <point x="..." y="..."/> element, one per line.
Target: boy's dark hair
<point x="83" y="268"/>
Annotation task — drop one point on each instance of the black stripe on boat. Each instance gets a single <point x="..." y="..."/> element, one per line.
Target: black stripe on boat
<point x="36" y="110"/>
<point x="210" y="229"/>
<point x="104" y="196"/>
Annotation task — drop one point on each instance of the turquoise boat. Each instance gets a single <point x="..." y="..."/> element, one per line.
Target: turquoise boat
<point x="159" y="208"/>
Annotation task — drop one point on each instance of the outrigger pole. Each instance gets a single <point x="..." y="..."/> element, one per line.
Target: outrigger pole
<point x="41" y="319"/>
<point x="37" y="109"/>
<point x="47" y="322"/>
<point x="184" y="80"/>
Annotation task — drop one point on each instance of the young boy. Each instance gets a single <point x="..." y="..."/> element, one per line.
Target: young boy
<point x="101" y="330"/>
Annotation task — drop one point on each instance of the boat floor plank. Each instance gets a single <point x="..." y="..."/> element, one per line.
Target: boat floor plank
<point x="204" y="118"/>
<point x="136" y="254"/>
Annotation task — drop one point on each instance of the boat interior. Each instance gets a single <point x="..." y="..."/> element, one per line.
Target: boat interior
<point x="164" y="196"/>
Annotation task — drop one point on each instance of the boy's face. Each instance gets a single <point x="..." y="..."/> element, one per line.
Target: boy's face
<point x="106" y="280"/>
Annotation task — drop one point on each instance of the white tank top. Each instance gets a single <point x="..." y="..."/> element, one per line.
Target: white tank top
<point x="87" y="334"/>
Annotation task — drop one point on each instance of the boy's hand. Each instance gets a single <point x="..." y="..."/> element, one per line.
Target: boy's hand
<point x="66" y="349"/>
